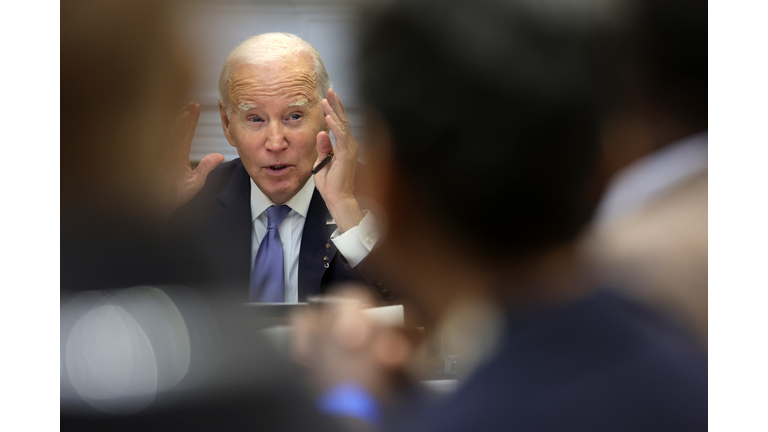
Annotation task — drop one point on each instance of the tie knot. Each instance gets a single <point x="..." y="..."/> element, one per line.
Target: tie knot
<point x="276" y="214"/>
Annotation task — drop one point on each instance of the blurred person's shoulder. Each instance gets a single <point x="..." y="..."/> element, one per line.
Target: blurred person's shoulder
<point x="659" y="254"/>
<point x="602" y="363"/>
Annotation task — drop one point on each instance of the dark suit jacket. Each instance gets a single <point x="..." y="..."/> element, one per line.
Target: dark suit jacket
<point x="218" y="222"/>
<point x="603" y="363"/>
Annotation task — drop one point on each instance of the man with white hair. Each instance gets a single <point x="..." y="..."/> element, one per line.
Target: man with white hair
<point x="276" y="217"/>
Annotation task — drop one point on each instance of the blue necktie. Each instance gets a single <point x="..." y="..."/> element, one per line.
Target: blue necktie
<point x="267" y="280"/>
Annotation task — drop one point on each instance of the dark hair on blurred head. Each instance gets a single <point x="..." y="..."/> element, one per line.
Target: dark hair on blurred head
<point x="671" y="48"/>
<point x="495" y="110"/>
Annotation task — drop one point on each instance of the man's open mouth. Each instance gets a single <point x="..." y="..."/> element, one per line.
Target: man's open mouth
<point x="277" y="167"/>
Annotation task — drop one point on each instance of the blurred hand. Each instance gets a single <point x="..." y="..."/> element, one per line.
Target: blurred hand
<point x="338" y="343"/>
<point x="337" y="180"/>
<point x="187" y="182"/>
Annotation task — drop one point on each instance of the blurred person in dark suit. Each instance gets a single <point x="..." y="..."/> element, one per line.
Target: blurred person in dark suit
<point x="650" y="232"/>
<point x="486" y="119"/>
<point x="145" y="358"/>
<point x="263" y="219"/>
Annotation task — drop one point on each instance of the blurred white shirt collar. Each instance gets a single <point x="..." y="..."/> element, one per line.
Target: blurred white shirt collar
<point x="652" y="176"/>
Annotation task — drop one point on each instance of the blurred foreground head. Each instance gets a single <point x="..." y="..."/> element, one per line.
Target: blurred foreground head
<point x="665" y="86"/>
<point x="492" y="111"/>
<point x="486" y="121"/>
<point x="671" y="52"/>
<point x="122" y="83"/>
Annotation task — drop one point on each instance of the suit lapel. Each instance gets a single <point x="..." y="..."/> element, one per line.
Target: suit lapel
<point x="316" y="235"/>
<point x="233" y="228"/>
<point x="234" y="225"/>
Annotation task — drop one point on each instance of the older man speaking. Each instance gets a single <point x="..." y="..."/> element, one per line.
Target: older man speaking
<point x="281" y="219"/>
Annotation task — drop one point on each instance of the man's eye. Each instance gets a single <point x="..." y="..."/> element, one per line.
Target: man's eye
<point x="295" y="116"/>
<point x="255" y="119"/>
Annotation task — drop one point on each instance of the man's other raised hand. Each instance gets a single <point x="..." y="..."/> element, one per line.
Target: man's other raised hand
<point x="187" y="182"/>
<point x="337" y="180"/>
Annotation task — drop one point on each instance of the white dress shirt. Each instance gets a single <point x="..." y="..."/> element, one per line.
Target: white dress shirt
<point x="354" y="245"/>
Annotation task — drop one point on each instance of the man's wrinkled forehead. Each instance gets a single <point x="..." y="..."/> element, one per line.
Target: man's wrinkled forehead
<point x="245" y="106"/>
<point x="293" y="81"/>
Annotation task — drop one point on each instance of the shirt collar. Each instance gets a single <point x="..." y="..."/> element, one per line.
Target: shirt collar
<point x="651" y="176"/>
<point x="298" y="203"/>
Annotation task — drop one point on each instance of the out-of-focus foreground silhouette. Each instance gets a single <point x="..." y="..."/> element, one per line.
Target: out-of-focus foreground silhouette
<point x="486" y="125"/>
<point x="650" y="232"/>
<point x="142" y="358"/>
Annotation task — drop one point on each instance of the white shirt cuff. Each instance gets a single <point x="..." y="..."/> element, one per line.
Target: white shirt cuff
<point x="357" y="242"/>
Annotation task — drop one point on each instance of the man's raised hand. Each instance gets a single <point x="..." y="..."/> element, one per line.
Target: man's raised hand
<point x="187" y="182"/>
<point x="337" y="180"/>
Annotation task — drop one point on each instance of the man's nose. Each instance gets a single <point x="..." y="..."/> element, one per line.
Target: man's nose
<point x="276" y="137"/>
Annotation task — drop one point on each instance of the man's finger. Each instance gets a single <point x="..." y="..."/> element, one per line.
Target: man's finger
<point x="207" y="165"/>
<point x="188" y="107"/>
<point x="178" y="132"/>
<point x="343" y="109"/>
<point x="333" y="108"/>
<point x="337" y="107"/>
<point x="191" y="126"/>
<point x="328" y="110"/>
<point x="332" y="120"/>
<point x="342" y="141"/>
<point x="324" y="145"/>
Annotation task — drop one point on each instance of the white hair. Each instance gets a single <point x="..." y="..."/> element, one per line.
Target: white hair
<point x="267" y="47"/>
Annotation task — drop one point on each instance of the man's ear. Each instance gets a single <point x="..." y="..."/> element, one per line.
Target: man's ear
<point x="225" y="123"/>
